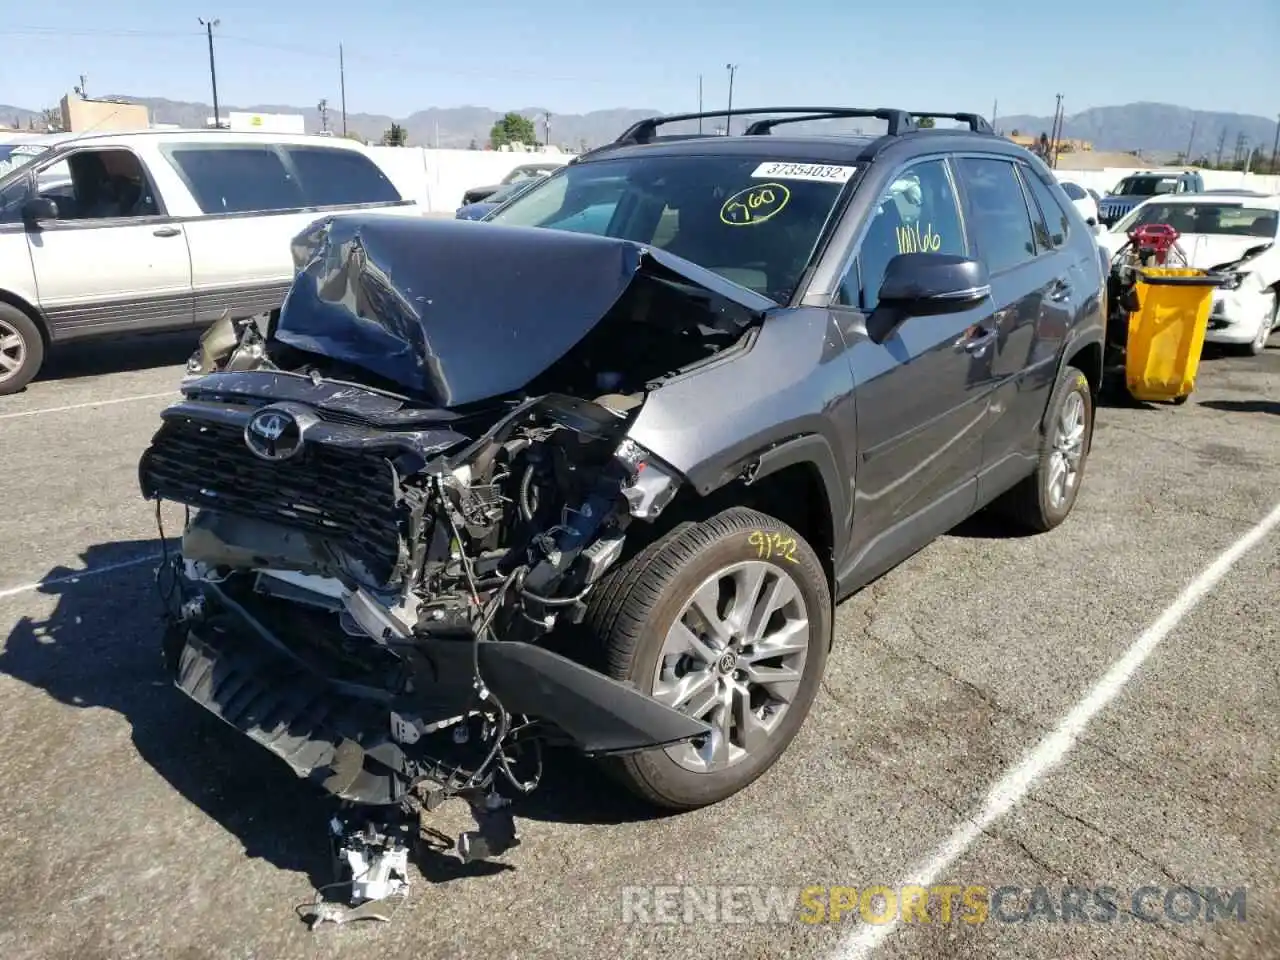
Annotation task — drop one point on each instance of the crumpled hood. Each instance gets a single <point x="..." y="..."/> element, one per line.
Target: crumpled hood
<point x="1207" y="250"/>
<point x="455" y="311"/>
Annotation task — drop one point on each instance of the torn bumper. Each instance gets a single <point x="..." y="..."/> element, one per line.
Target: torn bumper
<point x="1236" y="314"/>
<point x="340" y="735"/>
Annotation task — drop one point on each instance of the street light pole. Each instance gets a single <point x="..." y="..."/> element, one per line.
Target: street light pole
<point x="213" y="73"/>
<point x="699" y="102"/>
<point x="728" y="120"/>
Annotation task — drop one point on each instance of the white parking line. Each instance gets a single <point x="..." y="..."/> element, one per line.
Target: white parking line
<point x="1049" y="752"/>
<point x="84" y="406"/>
<point x="74" y="577"/>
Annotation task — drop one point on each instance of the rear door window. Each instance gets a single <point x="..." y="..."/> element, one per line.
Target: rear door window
<point x="998" y="215"/>
<point x="1054" y="218"/>
<point x="335" y="178"/>
<point x="237" y="179"/>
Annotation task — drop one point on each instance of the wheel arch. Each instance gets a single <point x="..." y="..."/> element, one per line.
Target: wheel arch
<point x="33" y="314"/>
<point x="1086" y="355"/>
<point x="796" y="481"/>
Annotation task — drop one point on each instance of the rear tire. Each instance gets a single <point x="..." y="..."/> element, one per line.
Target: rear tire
<point x="1044" y="500"/>
<point x="21" y="349"/>
<point x="753" y="686"/>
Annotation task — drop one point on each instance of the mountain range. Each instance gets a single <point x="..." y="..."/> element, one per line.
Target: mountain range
<point x="1153" y="128"/>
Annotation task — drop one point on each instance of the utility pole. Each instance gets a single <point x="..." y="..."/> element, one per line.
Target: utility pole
<point x="1222" y="141"/>
<point x="213" y="73"/>
<point x="995" y="104"/>
<point x="1057" y="130"/>
<point x="1237" y="155"/>
<point x="83" y="89"/>
<point x="323" y="107"/>
<point x="728" y="118"/>
<point x="1190" y="140"/>
<point x="546" y="128"/>
<point x="342" y="78"/>
<point x="700" y="102"/>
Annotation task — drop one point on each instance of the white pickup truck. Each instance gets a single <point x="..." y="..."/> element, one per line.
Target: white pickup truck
<point x="153" y="230"/>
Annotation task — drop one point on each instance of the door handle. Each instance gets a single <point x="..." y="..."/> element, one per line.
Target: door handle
<point x="977" y="339"/>
<point x="166" y="232"/>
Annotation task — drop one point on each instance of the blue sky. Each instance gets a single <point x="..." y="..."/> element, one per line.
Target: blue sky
<point x="579" y="55"/>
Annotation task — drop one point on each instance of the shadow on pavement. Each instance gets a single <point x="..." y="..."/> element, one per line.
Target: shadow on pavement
<point x="1244" y="406"/>
<point x="118" y="355"/>
<point x="100" y="647"/>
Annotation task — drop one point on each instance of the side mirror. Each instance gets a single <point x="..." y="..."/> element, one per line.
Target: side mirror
<point x="926" y="284"/>
<point x="37" y="209"/>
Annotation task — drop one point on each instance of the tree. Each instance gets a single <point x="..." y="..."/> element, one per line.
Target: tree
<point x="51" y="120"/>
<point x="512" y="128"/>
<point x="925" y="123"/>
<point x="394" y="136"/>
<point x="473" y="145"/>
<point x="1013" y="132"/>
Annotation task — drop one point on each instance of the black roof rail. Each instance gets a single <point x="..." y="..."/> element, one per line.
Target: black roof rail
<point x="644" y="131"/>
<point x="977" y="123"/>
<point x="899" y="121"/>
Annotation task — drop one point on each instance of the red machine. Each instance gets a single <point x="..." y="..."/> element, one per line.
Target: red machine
<point x="1154" y="245"/>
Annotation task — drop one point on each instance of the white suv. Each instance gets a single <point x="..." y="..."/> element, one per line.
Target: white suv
<point x="160" y="229"/>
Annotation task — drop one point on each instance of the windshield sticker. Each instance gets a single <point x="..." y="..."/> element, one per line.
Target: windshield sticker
<point x="821" y="172"/>
<point x="911" y="239"/>
<point x="755" y="205"/>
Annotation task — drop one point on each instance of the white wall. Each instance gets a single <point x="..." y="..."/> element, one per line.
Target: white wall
<point x="437" y="179"/>
<point x="1103" y="180"/>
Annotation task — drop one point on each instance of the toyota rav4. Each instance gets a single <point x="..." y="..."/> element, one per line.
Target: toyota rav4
<point x="594" y="471"/>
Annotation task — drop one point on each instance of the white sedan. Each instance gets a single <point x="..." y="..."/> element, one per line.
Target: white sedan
<point x="1082" y="198"/>
<point x="1233" y="233"/>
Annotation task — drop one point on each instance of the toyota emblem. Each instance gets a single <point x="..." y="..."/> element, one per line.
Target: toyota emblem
<point x="273" y="434"/>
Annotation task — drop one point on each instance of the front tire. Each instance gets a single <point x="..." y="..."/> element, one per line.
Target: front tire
<point x="21" y="349"/>
<point x="1266" y="325"/>
<point x="728" y="620"/>
<point x="1044" y="500"/>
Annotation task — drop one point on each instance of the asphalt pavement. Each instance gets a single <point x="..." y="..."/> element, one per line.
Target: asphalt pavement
<point x="136" y="826"/>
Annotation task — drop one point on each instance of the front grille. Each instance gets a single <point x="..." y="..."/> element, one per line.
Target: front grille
<point x="347" y="497"/>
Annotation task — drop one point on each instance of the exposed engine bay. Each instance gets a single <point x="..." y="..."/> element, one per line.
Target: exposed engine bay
<point x="388" y="526"/>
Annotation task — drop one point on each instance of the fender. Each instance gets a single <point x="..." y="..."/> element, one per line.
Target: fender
<point x="812" y="449"/>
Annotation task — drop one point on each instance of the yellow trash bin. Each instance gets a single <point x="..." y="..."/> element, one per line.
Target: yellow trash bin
<point x="1166" y="333"/>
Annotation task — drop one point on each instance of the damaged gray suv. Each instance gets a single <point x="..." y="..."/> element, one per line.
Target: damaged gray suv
<point x="594" y="471"/>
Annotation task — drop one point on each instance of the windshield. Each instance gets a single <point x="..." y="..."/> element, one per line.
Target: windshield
<point x="1222" y="219"/>
<point x="15" y="155"/>
<point x="753" y="221"/>
<point x="1145" y="186"/>
<point x="526" y="173"/>
<point x="507" y="191"/>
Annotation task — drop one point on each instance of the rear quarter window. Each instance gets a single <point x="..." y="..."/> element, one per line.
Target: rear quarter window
<point x="331" y="177"/>
<point x="239" y="179"/>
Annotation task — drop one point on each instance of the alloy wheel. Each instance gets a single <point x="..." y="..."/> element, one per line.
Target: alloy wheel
<point x="1266" y="325"/>
<point x="13" y="351"/>
<point x="734" y="657"/>
<point x="1068" y="450"/>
